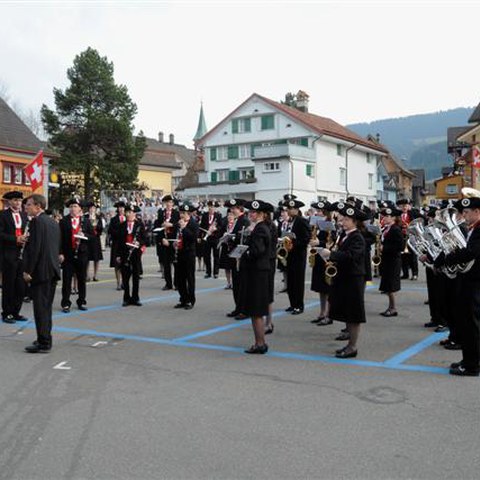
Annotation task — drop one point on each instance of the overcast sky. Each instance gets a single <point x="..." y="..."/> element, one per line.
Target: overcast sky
<point x="358" y="61"/>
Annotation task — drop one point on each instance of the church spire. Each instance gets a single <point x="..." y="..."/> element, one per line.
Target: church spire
<point x="202" y="126"/>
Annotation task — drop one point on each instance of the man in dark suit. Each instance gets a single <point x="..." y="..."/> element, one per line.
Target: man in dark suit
<point x="41" y="269"/>
<point x="12" y="238"/>
<point x="210" y="226"/>
<point x="131" y="245"/>
<point x="113" y="230"/>
<point x="186" y="235"/>
<point x="76" y="231"/>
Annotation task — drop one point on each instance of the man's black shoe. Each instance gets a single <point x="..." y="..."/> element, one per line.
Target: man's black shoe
<point x="232" y="314"/>
<point x="461" y="371"/>
<point x="9" y="319"/>
<point x="441" y="328"/>
<point x="430" y="325"/>
<point x="289" y="309"/>
<point x="452" y="346"/>
<point x="207" y="276"/>
<point x="83" y="308"/>
<point x="297" y="311"/>
<point x="125" y="304"/>
<point x="166" y="287"/>
<point x="215" y="276"/>
<point x="179" y="305"/>
<point x="188" y="306"/>
<point x="20" y="318"/>
<point x="66" y="309"/>
<point x="37" y="348"/>
<point x="138" y="303"/>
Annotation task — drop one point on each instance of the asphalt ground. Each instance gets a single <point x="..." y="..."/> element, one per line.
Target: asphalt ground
<point x="155" y="392"/>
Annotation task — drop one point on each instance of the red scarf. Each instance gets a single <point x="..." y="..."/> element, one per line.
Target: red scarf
<point x="130" y="232"/>
<point x="75" y="229"/>
<point x="17" y="219"/>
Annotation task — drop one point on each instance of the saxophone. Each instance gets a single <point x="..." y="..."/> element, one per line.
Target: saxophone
<point x="312" y="254"/>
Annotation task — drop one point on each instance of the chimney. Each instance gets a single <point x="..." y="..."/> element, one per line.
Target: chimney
<point x="171" y="139"/>
<point x="302" y="101"/>
<point x="160" y="137"/>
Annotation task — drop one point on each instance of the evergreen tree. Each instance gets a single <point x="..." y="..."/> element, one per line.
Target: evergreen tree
<point x="92" y="126"/>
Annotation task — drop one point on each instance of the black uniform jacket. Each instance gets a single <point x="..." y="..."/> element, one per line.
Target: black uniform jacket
<point x="257" y="257"/>
<point x="217" y="218"/>
<point x="350" y="256"/>
<point x="139" y="235"/>
<point x="189" y="240"/>
<point x="8" y="239"/>
<point x="465" y="255"/>
<point x="42" y="250"/>
<point x="301" y="229"/>
<point x="66" y="247"/>
<point x="171" y="231"/>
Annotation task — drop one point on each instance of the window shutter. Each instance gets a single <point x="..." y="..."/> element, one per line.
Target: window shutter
<point x="247" y="125"/>
<point x="308" y="170"/>
<point x="213" y="154"/>
<point x="235" y="125"/>
<point x="267" y="122"/>
<point x="213" y="177"/>
<point x="304" y="141"/>
<point x="232" y="152"/>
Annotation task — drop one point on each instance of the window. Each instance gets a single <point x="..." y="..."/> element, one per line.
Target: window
<point x="221" y="153"/>
<point x="370" y="181"/>
<point x="271" y="167"/>
<point x="246" y="173"/>
<point x="7" y="174"/>
<point x="310" y="170"/>
<point x="343" y="176"/>
<point x="232" y="152"/>
<point x="340" y="150"/>
<point x="26" y="181"/>
<point x="243" y="151"/>
<point x="369" y="158"/>
<point x="213" y="177"/>
<point x="233" y="175"/>
<point x="18" y="175"/>
<point x="267" y="122"/>
<point x="241" y="125"/>
<point x="451" y="189"/>
<point x="213" y="154"/>
<point x="222" y="175"/>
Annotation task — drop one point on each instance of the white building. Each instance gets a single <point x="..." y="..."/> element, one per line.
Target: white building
<point x="265" y="149"/>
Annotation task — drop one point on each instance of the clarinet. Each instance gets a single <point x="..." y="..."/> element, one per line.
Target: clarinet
<point x="26" y="233"/>
<point x="131" y="249"/>
<point x="78" y="240"/>
<point x="175" y="247"/>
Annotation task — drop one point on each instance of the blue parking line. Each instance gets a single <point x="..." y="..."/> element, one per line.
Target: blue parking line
<point x="401" y="357"/>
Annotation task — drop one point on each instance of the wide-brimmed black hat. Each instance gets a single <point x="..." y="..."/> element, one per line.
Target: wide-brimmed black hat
<point x="321" y="205"/>
<point x="473" y="202"/>
<point x="187" y="207"/>
<point x="348" y="210"/>
<point x="119" y="204"/>
<point x="12" y="195"/>
<point x="392" y="212"/>
<point x="293" y="204"/>
<point x="213" y="203"/>
<point x="404" y="201"/>
<point x="74" y="201"/>
<point x="133" y="208"/>
<point x="259" y="206"/>
<point x="289" y="196"/>
<point x="234" y="202"/>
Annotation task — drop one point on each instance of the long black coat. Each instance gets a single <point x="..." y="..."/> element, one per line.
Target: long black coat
<point x="42" y="250"/>
<point x="391" y="264"/>
<point x="113" y="231"/>
<point x="257" y="262"/>
<point x="347" y="292"/>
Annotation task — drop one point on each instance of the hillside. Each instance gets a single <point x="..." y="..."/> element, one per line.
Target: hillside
<point x="420" y="140"/>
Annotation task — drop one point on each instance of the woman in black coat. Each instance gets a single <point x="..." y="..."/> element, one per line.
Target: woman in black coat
<point x="391" y="264"/>
<point x="347" y="292"/>
<point x="257" y="263"/>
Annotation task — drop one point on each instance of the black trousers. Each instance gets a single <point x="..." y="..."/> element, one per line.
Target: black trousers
<point x="434" y="296"/>
<point x="13" y="287"/>
<point x="449" y="298"/>
<point x="239" y="283"/>
<point x="167" y="258"/>
<point x="409" y="262"/>
<point x="470" y="324"/>
<point x="132" y="270"/>
<point x="77" y="266"/>
<point x="185" y="273"/>
<point x="211" y="250"/>
<point x="42" y="297"/>
<point x="296" y="279"/>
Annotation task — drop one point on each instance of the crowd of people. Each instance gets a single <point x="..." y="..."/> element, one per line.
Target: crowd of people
<point x="346" y="244"/>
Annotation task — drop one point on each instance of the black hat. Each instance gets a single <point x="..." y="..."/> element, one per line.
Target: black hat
<point x="167" y="198"/>
<point x="321" y="205"/>
<point x="431" y="211"/>
<point x="356" y="202"/>
<point x="133" y="208"/>
<point x="119" y="204"/>
<point x="234" y="202"/>
<point x="385" y="204"/>
<point x="12" y="195"/>
<point x="259" y="206"/>
<point x="447" y="204"/>
<point x="91" y="204"/>
<point x="74" y="201"/>
<point x="187" y="207"/>
<point x="404" y="201"/>
<point x="289" y="196"/>
<point x="472" y="202"/>
<point x="393" y="212"/>
<point x="348" y="210"/>
<point x="293" y="204"/>
<point x="213" y="203"/>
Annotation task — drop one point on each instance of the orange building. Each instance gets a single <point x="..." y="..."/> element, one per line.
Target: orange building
<point x="18" y="147"/>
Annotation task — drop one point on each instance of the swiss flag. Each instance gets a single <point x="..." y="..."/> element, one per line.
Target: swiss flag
<point x="34" y="171"/>
<point x="476" y="156"/>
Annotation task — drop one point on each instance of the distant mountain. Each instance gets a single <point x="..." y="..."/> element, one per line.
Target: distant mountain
<point x="419" y="140"/>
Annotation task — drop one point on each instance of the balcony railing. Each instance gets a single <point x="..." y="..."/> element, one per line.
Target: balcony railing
<point x="283" y="150"/>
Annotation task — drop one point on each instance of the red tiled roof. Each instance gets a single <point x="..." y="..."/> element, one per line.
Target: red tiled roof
<point x="322" y="125"/>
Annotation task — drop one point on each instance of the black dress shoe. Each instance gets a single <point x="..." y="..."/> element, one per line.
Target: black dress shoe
<point x="389" y="313"/>
<point x="66" y="309"/>
<point x="207" y="276"/>
<point x="9" y="319"/>
<point x="316" y="320"/>
<point x="241" y="316"/>
<point x="297" y="311"/>
<point x="166" y="287"/>
<point x="325" y="321"/>
<point x="258" y="349"/>
<point x="125" y="304"/>
<point x="180" y="305"/>
<point x="430" y="324"/>
<point x="346" y="353"/>
<point x="343" y="336"/>
<point x="188" y="306"/>
<point x="232" y="314"/>
<point x="289" y="309"/>
<point x="83" y="308"/>
<point x="452" y="346"/>
<point x="456" y="364"/>
<point x="269" y="330"/>
<point x="138" y="303"/>
<point x="37" y="348"/>
<point x="20" y="318"/>
<point x="441" y="328"/>
<point x="461" y="371"/>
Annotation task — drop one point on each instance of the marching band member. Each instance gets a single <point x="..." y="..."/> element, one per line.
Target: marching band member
<point x="409" y="259"/>
<point x="257" y="269"/>
<point x="113" y="231"/>
<point x="131" y="244"/>
<point x="391" y="263"/>
<point x="238" y="276"/>
<point x="74" y="254"/>
<point x="347" y="292"/>
<point x="185" y="245"/>
<point x="225" y="262"/>
<point x="12" y="239"/>
<point x="210" y="226"/>
<point x="273" y="261"/>
<point x="469" y="303"/>
<point x="168" y="218"/>
<point x="297" y="257"/>
<point x="319" y="284"/>
<point x="95" y="246"/>
<point x="284" y="225"/>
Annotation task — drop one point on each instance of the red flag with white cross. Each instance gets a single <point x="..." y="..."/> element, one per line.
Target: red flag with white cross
<point x="476" y="156"/>
<point x="34" y="171"/>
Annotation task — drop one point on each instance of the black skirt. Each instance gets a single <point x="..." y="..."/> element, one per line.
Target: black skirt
<point x="347" y="299"/>
<point x="258" y="296"/>
<point x="319" y="283"/>
<point x="95" y="249"/>
<point x="390" y="269"/>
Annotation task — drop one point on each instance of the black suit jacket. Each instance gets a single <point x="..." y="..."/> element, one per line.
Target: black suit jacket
<point x="66" y="247"/>
<point x="8" y="239"/>
<point x="466" y="255"/>
<point x="257" y="257"/>
<point x="189" y="240"/>
<point x="350" y="256"/>
<point x="217" y="217"/>
<point x="42" y="250"/>
<point x="174" y="218"/>
<point x="138" y="232"/>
